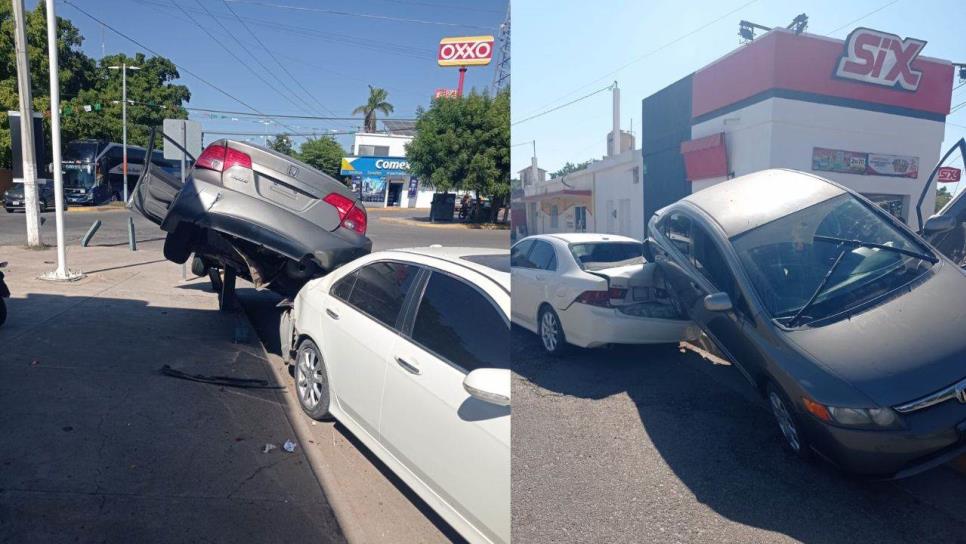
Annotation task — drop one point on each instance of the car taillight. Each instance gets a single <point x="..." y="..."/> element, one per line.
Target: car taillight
<point x="350" y="215"/>
<point x="219" y="158"/>
<point x="601" y="298"/>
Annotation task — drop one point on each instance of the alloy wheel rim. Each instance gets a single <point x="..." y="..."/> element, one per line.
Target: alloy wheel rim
<point x="785" y="422"/>
<point x="308" y="383"/>
<point x="548" y="328"/>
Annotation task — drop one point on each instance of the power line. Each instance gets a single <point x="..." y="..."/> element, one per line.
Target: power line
<point x="317" y="133"/>
<point x="176" y="65"/>
<point x="873" y="12"/>
<point x="652" y="52"/>
<point x="607" y="88"/>
<point x="290" y="116"/>
<point x="447" y="6"/>
<point x="363" y="15"/>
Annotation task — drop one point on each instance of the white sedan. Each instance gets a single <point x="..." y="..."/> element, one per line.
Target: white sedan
<point x="591" y="290"/>
<point x="410" y="350"/>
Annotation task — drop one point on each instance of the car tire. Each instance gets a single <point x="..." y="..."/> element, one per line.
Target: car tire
<point x="178" y="244"/>
<point x="312" y="381"/>
<point x="789" y="423"/>
<point x="551" y="332"/>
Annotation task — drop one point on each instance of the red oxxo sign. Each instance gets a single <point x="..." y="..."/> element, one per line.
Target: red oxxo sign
<point x="948" y="174"/>
<point x="880" y="58"/>
<point x="465" y="51"/>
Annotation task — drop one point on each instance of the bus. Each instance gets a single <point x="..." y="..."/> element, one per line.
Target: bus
<point x="94" y="170"/>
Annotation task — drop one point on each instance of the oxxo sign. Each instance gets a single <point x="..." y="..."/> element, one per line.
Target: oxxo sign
<point x="465" y="51"/>
<point x="880" y="58"/>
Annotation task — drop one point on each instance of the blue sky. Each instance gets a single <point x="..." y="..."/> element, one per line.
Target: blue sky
<point x="333" y="56"/>
<point x="564" y="50"/>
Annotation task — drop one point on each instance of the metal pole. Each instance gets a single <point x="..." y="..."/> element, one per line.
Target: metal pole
<point x="459" y="86"/>
<point x="55" y="138"/>
<point x="26" y="127"/>
<point x="124" y="122"/>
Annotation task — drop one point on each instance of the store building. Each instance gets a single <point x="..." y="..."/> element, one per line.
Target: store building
<point x="379" y="171"/>
<point x="868" y="112"/>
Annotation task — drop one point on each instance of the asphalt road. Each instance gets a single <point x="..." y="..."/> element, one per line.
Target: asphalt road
<point x="649" y="444"/>
<point x="113" y="231"/>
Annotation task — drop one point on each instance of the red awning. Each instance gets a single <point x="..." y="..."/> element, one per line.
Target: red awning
<point x="705" y="157"/>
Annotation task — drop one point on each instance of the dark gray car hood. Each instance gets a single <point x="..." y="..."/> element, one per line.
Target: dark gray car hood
<point x="903" y="349"/>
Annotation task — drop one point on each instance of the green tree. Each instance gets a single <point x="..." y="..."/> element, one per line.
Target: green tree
<point x="282" y="143"/>
<point x="570" y="168"/>
<point x="84" y="82"/>
<point x="943" y="196"/>
<point x="324" y="154"/>
<point x="377" y="102"/>
<point x="464" y="144"/>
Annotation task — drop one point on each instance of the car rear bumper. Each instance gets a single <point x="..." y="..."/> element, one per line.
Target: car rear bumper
<point x="592" y="326"/>
<point x="931" y="439"/>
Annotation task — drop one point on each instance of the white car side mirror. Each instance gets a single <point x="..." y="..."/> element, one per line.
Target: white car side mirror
<point x="489" y="385"/>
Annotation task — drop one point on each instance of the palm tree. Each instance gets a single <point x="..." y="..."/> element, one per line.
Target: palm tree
<point x="377" y="102"/>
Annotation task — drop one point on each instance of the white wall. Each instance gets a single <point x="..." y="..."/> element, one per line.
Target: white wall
<point x="781" y="133"/>
<point x="619" y="194"/>
<point x="395" y="142"/>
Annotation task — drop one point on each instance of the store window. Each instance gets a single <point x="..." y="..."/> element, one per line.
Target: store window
<point x="580" y="219"/>
<point x="553" y="217"/>
<point x="374" y="150"/>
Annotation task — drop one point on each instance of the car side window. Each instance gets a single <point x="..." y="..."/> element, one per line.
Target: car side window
<point x="343" y="287"/>
<point x="518" y="255"/>
<point x="677" y="228"/>
<point x="543" y="256"/>
<point x="711" y="263"/>
<point x="381" y="288"/>
<point x="460" y="324"/>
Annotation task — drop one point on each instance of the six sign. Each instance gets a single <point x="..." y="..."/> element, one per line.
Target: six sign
<point x="465" y="51"/>
<point x="880" y="58"/>
<point x="948" y="174"/>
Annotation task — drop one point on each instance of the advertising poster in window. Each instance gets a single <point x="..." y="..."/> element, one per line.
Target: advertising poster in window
<point x="373" y="189"/>
<point x="863" y="163"/>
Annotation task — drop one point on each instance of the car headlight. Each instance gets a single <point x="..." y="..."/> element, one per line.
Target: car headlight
<point x="875" y="418"/>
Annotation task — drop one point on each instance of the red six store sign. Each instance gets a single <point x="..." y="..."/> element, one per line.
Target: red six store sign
<point x="880" y="58"/>
<point x="465" y="51"/>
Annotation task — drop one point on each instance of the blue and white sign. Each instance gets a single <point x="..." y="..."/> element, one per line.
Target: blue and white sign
<point x="375" y="166"/>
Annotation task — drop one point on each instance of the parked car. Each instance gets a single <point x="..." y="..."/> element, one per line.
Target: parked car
<point x="255" y="212"/>
<point x="13" y="198"/>
<point x="409" y="349"/>
<point x="846" y="321"/>
<point x="591" y="290"/>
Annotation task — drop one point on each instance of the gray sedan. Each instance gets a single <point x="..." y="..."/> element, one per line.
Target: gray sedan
<point x="846" y="321"/>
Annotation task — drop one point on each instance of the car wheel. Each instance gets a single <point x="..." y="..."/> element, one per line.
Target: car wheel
<point x="551" y="332"/>
<point x="312" y="381"/>
<point x="788" y="422"/>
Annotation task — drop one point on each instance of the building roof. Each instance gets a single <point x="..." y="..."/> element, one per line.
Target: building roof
<point x="746" y="202"/>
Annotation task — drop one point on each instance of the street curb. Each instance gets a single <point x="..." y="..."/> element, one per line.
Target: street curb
<point x="88" y="209"/>
<point x="451" y="226"/>
<point x="348" y="522"/>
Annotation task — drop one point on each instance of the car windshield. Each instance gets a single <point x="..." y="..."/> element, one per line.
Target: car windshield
<point x="788" y="259"/>
<point x="78" y="175"/>
<point x="600" y="255"/>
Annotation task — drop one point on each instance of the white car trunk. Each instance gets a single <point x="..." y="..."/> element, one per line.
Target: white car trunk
<point x="644" y="293"/>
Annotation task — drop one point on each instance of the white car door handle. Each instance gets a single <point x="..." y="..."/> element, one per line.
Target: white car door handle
<point x="332" y="314"/>
<point x="407" y="366"/>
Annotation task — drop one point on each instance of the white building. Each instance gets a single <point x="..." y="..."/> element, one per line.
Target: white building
<point x="380" y="172"/>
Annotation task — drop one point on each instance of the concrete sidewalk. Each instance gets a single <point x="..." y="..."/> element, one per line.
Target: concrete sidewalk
<point x="98" y="446"/>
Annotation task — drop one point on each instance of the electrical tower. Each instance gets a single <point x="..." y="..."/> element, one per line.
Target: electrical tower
<point x="501" y="76"/>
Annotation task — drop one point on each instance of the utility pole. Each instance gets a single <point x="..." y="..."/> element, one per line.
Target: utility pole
<point x="31" y="209"/>
<point x="62" y="273"/>
<point x="615" y="147"/>
<point x="124" y="68"/>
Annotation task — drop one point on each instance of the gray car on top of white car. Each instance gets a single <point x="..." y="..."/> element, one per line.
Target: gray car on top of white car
<point x="409" y="349"/>
<point x="591" y="290"/>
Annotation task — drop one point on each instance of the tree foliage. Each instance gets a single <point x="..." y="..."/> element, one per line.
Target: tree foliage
<point x="324" y="154"/>
<point x="84" y="81"/>
<point x="570" y="168"/>
<point x="464" y="144"/>
<point x="943" y="196"/>
<point x="378" y="101"/>
<point x="282" y="143"/>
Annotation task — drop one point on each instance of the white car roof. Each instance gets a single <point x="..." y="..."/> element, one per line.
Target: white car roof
<point x="458" y="256"/>
<point x="583" y="237"/>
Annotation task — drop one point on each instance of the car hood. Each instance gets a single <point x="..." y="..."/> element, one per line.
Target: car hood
<point x="15" y="191"/>
<point x="903" y="349"/>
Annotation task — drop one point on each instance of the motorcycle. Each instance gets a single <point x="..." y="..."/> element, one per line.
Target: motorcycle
<point x="4" y="293"/>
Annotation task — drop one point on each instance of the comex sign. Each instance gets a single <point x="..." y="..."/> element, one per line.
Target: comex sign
<point x="880" y="58"/>
<point x="465" y="51"/>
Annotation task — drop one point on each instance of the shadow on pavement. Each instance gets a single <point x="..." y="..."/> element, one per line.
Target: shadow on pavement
<point x="98" y="446"/>
<point x="718" y="439"/>
<point x="260" y="306"/>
